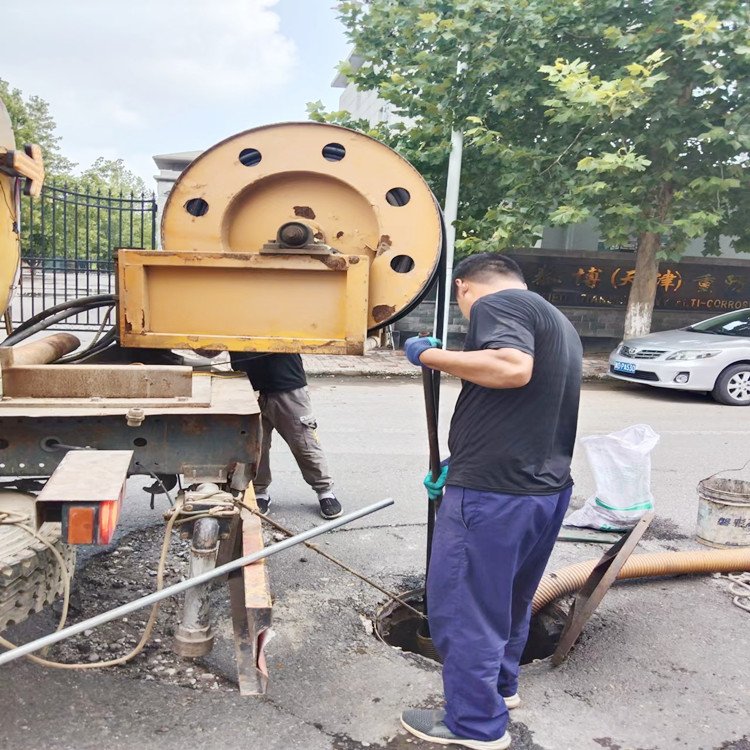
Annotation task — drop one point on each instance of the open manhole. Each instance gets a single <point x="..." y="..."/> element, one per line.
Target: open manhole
<point x="401" y="628"/>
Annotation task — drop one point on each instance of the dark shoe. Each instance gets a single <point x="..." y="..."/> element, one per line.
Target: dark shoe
<point x="428" y="725"/>
<point x="263" y="504"/>
<point x="330" y="507"/>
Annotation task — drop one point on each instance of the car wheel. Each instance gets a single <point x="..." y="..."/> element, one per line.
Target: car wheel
<point x="733" y="386"/>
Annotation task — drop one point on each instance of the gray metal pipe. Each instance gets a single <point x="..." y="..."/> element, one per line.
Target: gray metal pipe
<point x="194" y="636"/>
<point x="178" y="588"/>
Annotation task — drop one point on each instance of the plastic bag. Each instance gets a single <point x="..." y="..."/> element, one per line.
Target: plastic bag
<point x="621" y="463"/>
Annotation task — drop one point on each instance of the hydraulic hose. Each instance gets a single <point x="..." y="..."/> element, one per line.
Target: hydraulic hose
<point x="570" y="579"/>
<point x="55" y="314"/>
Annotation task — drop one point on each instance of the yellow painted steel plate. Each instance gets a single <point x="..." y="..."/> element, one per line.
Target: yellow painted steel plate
<point x="357" y="195"/>
<point x="9" y="252"/>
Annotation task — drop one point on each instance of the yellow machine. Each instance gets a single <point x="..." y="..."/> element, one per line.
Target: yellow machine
<point x="14" y="166"/>
<point x="288" y="238"/>
<point x="298" y="237"/>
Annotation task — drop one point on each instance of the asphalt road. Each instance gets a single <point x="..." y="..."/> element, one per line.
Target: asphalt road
<point x="662" y="665"/>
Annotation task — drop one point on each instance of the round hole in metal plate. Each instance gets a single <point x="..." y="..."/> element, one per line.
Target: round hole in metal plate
<point x="140" y="442"/>
<point x="398" y="196"/>
<point x="196" y="207"/>
<point x="402" y="263"/>
<point x="3" y="444"/>
<point x="250" y="157"/>
<point x="334" y="152"/>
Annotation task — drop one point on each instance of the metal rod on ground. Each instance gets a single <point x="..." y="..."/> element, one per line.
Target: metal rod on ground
<point x="314" y="547"/>
<point x="178" y="588"/>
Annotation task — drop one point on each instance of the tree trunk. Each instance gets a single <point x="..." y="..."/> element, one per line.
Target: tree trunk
<point x="643" y="292"/>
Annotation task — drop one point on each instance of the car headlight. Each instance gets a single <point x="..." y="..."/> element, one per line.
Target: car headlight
<point x="694" y="354"/>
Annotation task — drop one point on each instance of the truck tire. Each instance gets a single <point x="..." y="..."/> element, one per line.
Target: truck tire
<point x="733" y="385"/>
<point x="30" y="574"/>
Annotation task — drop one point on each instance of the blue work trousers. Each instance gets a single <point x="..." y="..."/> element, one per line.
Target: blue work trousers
<point x="488" y="556"/>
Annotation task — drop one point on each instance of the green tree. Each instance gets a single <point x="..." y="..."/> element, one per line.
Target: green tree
<point x="633" y="114"/>
<point x="111" y="175"/>
<point x="88" y="216"/>
<point x="33" y="123"/>
<point x="80" y="218"/>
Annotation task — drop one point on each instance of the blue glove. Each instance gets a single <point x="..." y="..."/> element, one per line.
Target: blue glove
<point x="417" y="345"/>
<point x="435" y="488"/>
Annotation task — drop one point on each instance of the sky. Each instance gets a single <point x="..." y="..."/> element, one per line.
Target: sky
<point x="142" y="77"/>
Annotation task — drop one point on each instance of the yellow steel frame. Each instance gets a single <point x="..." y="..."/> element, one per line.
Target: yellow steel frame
<point x="243" y="302"/>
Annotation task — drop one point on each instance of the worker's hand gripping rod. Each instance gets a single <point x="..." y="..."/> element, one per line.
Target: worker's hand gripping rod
<point x="178" y="588"/>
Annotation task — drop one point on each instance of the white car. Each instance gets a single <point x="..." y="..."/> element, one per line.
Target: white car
<point x="712" y="356"/>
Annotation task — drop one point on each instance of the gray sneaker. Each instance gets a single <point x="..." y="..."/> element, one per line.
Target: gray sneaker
<point x="428" y="724"/>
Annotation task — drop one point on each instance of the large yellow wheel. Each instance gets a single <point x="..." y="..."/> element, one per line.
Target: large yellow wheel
<point x="356" y="194"/>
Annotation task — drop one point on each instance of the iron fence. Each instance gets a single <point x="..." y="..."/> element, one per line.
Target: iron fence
<point x="68" y="240"/>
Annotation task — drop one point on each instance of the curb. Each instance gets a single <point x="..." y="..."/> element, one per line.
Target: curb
<point x="593" y="377"/>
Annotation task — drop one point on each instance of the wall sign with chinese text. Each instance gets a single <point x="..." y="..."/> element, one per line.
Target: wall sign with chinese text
<point x="586" y="279"/>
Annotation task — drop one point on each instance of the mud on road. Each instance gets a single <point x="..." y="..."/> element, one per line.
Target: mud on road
<point x="113" y="577"/>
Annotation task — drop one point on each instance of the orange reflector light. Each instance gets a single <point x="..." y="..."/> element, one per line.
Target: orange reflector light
<point x="79" y="524"/>
<point x="109" y="513"/>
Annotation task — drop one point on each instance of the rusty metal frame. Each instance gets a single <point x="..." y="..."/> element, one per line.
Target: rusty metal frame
<point x="597" y="585"/>
<point x="202" y="438"/>
<point x="250" y="602"/>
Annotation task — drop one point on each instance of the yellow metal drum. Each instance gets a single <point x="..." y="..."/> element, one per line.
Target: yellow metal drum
<point x="358" y="196"/>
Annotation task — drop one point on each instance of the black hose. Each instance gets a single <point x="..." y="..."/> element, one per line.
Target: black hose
<point x="55" y="314"/>
<point x="94" y="301"/>
<point x="108" y="340"/>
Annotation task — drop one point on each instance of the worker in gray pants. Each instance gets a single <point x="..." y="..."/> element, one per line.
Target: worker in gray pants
<point x="285" y="407"/>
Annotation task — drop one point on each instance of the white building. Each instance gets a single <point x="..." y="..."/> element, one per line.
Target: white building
<point x="363" y="105"/>
<point x="170" y="166"/>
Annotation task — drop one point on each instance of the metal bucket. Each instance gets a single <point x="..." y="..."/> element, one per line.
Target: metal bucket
<point x="723" y="512"/>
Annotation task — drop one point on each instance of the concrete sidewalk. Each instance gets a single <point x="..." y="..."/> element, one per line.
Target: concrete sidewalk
<point x="389" y="363"/>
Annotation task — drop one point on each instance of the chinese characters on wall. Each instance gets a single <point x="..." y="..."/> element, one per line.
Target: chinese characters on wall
<point x="606" y="281"/>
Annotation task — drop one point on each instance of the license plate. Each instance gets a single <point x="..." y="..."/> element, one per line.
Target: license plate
<point x="626" y="367"/>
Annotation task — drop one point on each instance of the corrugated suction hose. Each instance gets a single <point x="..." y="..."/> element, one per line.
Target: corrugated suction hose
<point x="570" y="579"/>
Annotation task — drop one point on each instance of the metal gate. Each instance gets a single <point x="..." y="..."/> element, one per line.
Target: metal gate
<point x="68" y="240"/>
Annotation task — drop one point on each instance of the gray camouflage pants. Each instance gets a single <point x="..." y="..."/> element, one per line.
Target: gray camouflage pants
<point x="290" y="414"/>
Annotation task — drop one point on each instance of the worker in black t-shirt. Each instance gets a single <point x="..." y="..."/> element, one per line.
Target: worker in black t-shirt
<point x="285" y="407"/>
<point x="507" y="487"/>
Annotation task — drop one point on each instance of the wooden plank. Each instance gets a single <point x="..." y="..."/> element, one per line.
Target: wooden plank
<point x="250" y="598"/>
<point x="97" y="381"/>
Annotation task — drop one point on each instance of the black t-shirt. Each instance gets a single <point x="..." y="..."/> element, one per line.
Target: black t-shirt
<point x="271" y="373"/>
<point x="519" y="441"/>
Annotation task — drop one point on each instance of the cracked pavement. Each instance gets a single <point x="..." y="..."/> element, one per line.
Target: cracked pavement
<point x="662" y="665"/>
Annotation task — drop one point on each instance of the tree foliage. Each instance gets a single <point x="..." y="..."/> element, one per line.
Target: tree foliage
<point x="80" y="217"/>
<point x="632" y="113"/>
<point x="33" y="123"/>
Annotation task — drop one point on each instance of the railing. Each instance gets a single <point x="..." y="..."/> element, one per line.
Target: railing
<point x="68" y="240"/>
